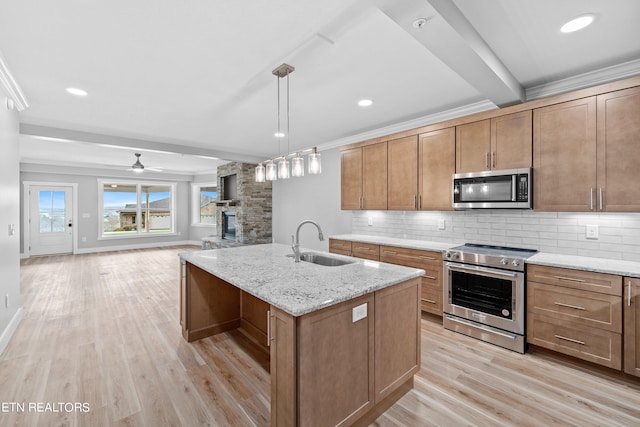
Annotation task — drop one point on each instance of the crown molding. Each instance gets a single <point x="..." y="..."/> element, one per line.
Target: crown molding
<point x="581" y="81"/>
<point x="454" y="113"/>
<point x="11" y="87"/>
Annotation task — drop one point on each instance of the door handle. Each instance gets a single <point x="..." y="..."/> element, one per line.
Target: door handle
<point x="70" y="223"/>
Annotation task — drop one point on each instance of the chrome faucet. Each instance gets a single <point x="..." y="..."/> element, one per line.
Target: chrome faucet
<point x="295" y="244"/>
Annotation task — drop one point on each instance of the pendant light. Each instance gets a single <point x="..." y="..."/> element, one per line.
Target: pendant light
<point x="279" y="167"/>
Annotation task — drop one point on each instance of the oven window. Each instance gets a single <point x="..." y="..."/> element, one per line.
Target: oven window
<point x="485" y="294"/>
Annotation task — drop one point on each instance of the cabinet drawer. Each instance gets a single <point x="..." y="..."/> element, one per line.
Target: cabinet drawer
<point x="431" y="300"/>
<point x="342" y="247"/>
<point x="365" y="250"/>
<point x="410" y="257"/>
<point x="586" y="308"/>
<point x="577" y="279"/>
<point x="592" y="344"/>
<point x="432" y="278"/>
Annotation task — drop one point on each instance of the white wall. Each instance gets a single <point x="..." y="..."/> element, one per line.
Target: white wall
<point x="553" y="232"/>
<point x="196" y="233"/>
<point x="9" y="214"/>
<point x="314" y="197"/>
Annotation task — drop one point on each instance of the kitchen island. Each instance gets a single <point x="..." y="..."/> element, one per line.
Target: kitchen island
<point x="344" y="341"/>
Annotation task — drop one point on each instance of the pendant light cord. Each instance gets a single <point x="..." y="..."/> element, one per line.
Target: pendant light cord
<point x="279" y="133"/>
<point x="288" y="127"/>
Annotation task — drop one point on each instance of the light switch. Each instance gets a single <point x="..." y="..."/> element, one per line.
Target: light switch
<point x="359" y="312"/>
<point x="441" y="224"/>
<point x="592" y="231"/>
<point x="370" y="221"/>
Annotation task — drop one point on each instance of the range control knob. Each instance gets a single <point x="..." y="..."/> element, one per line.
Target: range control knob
<point x="447" y="254"/>
<point x="515" y="262"/>
<point x="504" y="261"/>
<point x="455" y="255"/>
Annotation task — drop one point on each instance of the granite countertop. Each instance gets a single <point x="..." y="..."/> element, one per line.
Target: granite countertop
<point x="265" y="272"/>
<point x="599" y="265"/>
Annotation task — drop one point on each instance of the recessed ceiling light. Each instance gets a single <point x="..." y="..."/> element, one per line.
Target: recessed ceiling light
<point x="365" y="102"/>
<point x="77" y="92"/>
<point x="577" y="24"/>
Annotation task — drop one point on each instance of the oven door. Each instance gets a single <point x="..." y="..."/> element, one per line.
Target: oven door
<point x="485" y="295"/>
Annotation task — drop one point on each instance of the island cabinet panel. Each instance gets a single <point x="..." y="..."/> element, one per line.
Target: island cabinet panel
<point x="214" y="305"/>
<point x="283" y="368"/>
<point x="564" y="156"/>
<point x="403" y="174"/>
<point x="253" y="318"/>
<point x="397" y="336"/>
<point x="575" y="312"/>
<point x="619" y="151"/>
<point x="365" y="250"/>
<point x="436" y="166"/>
<point x="335" y="362"/>
<point x="631" y="302"/>
<point x="341" y="247"/>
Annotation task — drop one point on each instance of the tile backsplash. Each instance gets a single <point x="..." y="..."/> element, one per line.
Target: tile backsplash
<point x="553" y="232"/>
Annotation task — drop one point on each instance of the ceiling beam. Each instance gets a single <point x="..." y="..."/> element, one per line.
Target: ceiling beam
<point x="449" y="36"/>
<point x="119" y="141"/>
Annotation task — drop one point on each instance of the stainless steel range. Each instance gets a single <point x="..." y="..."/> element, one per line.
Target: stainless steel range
<point x="484" y="293"/>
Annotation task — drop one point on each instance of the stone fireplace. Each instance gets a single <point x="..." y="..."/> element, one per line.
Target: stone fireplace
<point x="244" y="207"/>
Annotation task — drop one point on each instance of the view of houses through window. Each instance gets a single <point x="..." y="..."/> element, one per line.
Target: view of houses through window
<point x="136" y="208"/>
<point x="203" y="203"/>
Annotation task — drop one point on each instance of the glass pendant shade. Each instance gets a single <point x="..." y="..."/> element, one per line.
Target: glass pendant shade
<point x="260" y="173"/>
<point x="272" y="171"/>
<point x="315" y="163"/>
<point x="297" y="165"/>
<point x="283" y="169"/>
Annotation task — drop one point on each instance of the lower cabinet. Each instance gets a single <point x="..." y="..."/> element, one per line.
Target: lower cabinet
<point x="341" y="247"/>
<point x="631" y="303"/>
<point x="575" y="312"/>
<point x="365" y="250"/>
<point x="332" y="367"/>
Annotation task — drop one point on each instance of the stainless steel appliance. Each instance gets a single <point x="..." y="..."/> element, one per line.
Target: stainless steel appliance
<point x="484" y="293"/>
<point x="503" y="189"/>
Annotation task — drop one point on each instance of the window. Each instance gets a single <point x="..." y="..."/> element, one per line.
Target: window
<point x="136" y="209"/>
<point x="203" y="204"/>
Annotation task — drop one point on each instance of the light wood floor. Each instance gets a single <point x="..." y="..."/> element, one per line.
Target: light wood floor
<point x="103" y="329"/>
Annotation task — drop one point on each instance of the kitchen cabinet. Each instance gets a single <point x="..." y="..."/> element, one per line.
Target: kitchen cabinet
<point x="436" y="166"/>
<point x="631" y="303"/>
<point x="365" y="250"/>
<point x="618" y="137"/>
<point x="403" y="174"/>
<point x="363" y="182"/>
<point x="342" y="247"/>
<point x="575" y="312"/>
<point x="502" y="142"/>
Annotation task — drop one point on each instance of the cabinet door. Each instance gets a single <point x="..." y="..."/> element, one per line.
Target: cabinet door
<point x="436" y="166"/>
<point x="619" y="151"/>
<point x="351" y="179"/>
<point x="282" y="366"/>
<point x="374" y="176"/>
<point x="403" y="174"/>
<point x="564" y="156"/>
<point x="631" y="304"/>
<point x="511" y="141"/>
<point x="473" y="142"/>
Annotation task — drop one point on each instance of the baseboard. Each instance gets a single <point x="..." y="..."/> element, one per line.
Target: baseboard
<point x="10" y="329"/>
<point x="136" y="246"/>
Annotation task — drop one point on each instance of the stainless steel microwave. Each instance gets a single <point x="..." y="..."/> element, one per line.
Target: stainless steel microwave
<point x="503" y="189"/>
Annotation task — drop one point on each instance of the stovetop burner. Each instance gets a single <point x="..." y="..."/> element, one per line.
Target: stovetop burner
<point x="491" y="256"/>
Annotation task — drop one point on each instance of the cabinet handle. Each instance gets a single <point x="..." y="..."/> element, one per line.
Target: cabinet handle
<point x="571" y="279"/>
<point x="363" y="248"/>
<point x="486" y="160"/>
<point x="428" y="300"/>
<point x="415" y="201"/>
<point x="591" y="198"/>
<point x="493" y="160"/>
<point x="426" y="257"/>
<point x="569" y="339"/>
<point x="629" y="294"/>
<point x="420" y="201"/>
<point x="268" y="328"/>
<point x="429" y="277"/>
<point x="601" y="197"/>
<point x="390" y="252"/>
<point x="569" y="306"/>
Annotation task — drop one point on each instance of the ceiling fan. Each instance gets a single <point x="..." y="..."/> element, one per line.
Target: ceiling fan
<point x="139" y="167"/>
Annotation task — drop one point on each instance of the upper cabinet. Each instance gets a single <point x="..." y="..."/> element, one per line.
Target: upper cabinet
<point x="364" y="177"/>
<point x="403" y="174"/>
<point x="586" y="153"/>
<point x="502" y="142"/>
<point x="619" y="151"/>
<point x="436" y="165"/>
<point x="564" y="156"/>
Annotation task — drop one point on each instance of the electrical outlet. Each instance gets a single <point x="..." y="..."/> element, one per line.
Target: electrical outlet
<point x="370" y="221"/>
<point x="441" y="224"/>
<point x="359" y="312"/>
<point x="592" y="232"/>
<point x="84" y="239"/>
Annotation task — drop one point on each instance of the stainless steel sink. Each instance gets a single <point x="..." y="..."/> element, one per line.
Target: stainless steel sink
<point x="325" y="260"/>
